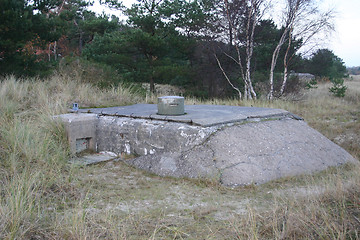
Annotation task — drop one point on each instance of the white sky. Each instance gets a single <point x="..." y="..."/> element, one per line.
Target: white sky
<point x="345" y="42"/>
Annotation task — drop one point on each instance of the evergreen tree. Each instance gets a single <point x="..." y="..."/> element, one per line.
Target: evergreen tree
<point x="324" y="63"/>
<point x="151" y="48"/>
<point x="23" y="26"/>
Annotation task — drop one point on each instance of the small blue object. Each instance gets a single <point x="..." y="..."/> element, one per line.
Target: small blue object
<point x="75" y="107"/>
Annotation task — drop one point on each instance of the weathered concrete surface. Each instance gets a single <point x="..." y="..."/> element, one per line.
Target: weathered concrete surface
<point x="250" y="153"/>
<point x="201" y="115"/>
<point x="94" y="158"/>
<point x="143" y="137"/>
<point x="80" y="130"/>
<point x="234" y="145"/>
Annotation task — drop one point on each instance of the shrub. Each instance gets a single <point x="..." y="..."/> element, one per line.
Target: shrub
<point x="97" y="74"/>
<point x="311" y="84"/>
<point x="338" y="88"/>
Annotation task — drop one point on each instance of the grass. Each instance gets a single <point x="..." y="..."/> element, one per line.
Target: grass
<point x="34" y="153"/>
<point x="44" y="197"/>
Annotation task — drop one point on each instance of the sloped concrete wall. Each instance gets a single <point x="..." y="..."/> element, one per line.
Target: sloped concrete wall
<point x="251" y="153"/>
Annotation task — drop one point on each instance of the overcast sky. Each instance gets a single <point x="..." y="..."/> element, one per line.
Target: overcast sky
<point x="345" y="42"/>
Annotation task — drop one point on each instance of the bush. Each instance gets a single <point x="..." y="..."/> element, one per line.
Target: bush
<point x="311" y="84"/>
<point x="97" y="74"/>
<point x="338" y="88"/>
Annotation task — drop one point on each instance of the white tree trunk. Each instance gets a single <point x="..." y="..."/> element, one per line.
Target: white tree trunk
<point x="290" y="18"/>
<point x="227" y="78"/>
<point x="55" y="50"/>
<point x="284" y="80"/>
<point x="273" y="63"/>
<point x="49" y="52"/>
<point x="254" y="7"/>
<point x="250" y="30"/>
<point x="271" y="92"/>
<point x="286" y="63"/>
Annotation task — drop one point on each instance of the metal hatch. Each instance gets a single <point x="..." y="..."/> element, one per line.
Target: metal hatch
<point x="171" y="105"/>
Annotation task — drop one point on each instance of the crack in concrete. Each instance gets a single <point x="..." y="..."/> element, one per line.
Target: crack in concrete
<point x="236" y="164"/>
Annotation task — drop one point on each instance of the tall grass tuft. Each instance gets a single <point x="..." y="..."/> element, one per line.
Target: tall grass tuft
<point x="19" y="206"/>
<point x="34" y="152"/>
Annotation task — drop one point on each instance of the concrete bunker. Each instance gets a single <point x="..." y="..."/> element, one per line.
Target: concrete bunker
<point x="235" y="145"/>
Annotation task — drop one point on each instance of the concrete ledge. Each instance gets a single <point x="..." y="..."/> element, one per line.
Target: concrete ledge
<point x="80" y="130"/>
<point x="200" y="115"/>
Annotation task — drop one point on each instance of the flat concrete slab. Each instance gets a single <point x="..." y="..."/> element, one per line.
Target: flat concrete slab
<point x="94" y="158"/>
<point x="201" y="115"/>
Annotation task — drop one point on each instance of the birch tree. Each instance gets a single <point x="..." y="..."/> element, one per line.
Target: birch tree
<point x="290" y="16"/>
<point x="302" y="19"/>
<point x="241" y="34"/>
<point x="312" y="25"/>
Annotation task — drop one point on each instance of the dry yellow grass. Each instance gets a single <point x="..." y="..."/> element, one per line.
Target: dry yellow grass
<point x="43" y="197"/>
<point x="33" y="149"/>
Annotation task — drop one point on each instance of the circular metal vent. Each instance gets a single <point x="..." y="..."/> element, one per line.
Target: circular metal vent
<point x="171" y="105"/>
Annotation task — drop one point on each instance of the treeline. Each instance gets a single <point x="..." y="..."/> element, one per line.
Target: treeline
<point x="354" y="70"/>
<point x="212" y="48"/>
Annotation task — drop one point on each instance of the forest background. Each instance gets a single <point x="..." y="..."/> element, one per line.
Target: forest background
<point x="54" y="53"/>
<point x="211" y="48"/>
